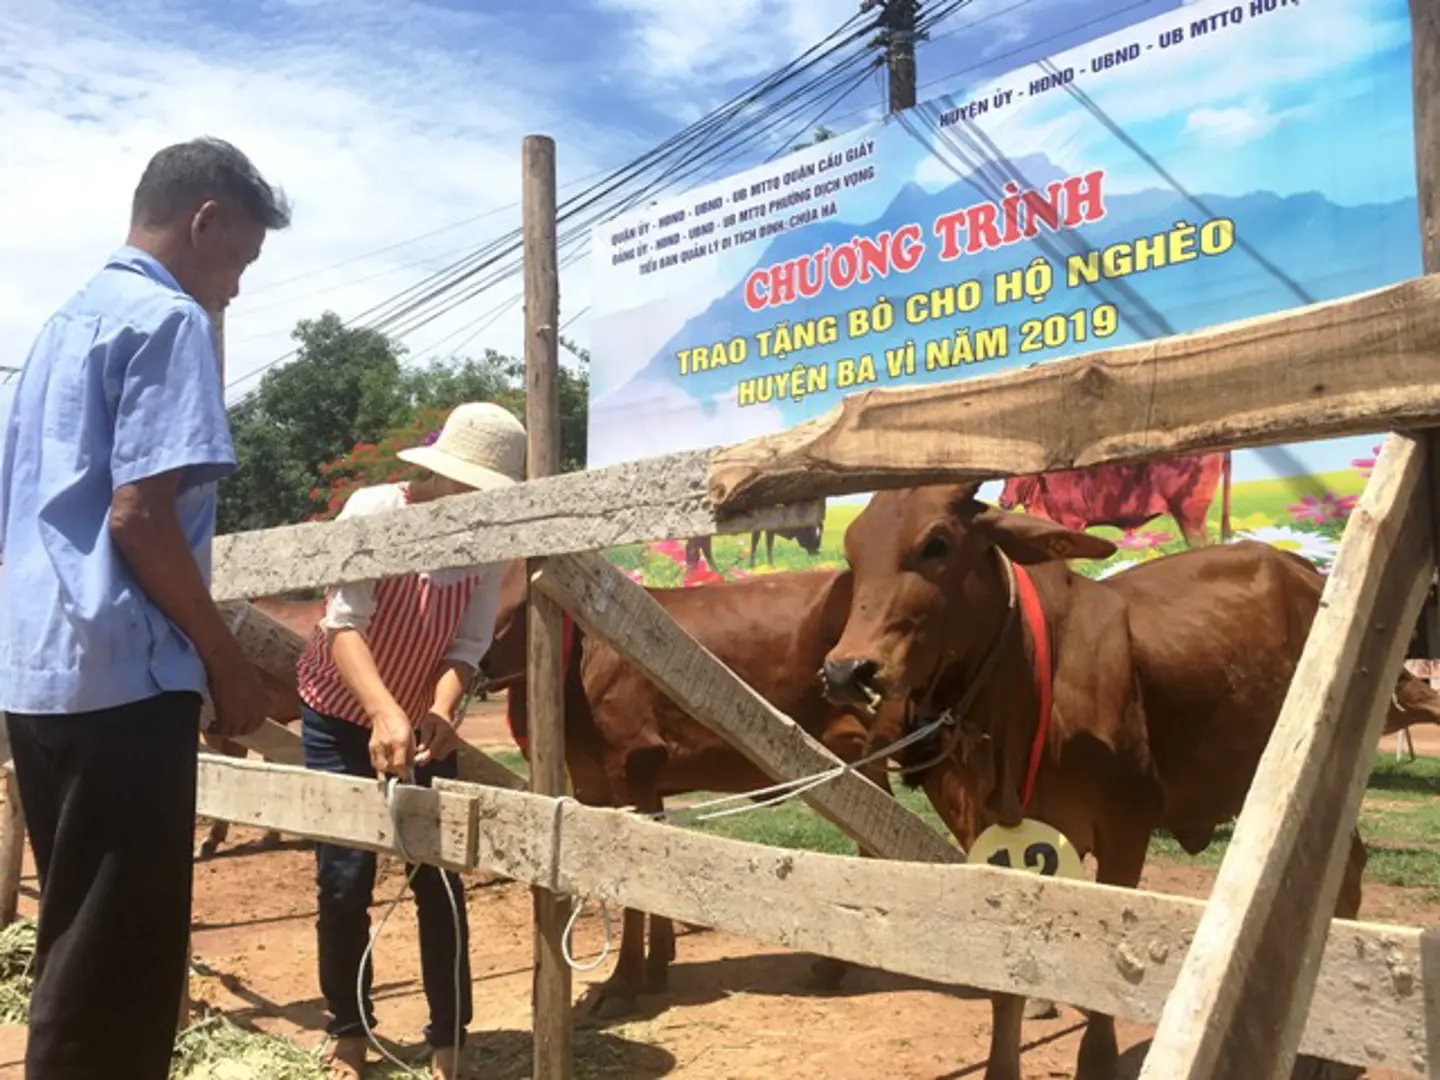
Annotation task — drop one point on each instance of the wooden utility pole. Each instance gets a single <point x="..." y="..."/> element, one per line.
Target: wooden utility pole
<point x="545" y="677"/>
<point x="898" y="35"/>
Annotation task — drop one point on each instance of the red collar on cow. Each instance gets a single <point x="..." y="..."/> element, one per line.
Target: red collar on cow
<point x="1035" y="618"/>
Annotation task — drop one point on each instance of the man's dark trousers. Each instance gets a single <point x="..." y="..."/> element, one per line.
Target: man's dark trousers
<point x="109" y="802"/>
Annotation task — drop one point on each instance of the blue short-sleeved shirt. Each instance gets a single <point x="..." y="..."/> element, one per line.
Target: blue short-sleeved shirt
<point x="122" y="383"/>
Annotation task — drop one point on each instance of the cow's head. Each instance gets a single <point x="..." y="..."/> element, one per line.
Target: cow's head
<point x="809" y="537"/>
<point x="1018" y="491"/>
<point x="928" y="594"/>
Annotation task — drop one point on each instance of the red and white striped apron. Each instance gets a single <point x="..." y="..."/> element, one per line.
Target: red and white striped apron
<point x="409" y="634"/>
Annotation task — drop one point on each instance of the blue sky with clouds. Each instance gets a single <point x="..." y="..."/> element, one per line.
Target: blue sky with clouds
<point x="396" y="127"/>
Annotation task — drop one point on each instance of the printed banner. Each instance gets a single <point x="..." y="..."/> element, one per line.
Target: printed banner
<point x="1218" y="162"/>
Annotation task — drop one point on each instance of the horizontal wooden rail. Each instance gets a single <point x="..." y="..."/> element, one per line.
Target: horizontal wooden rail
<point x="1090" y="945"/>
<point x="1359" y="365"/>
<point x="657" y="499"/>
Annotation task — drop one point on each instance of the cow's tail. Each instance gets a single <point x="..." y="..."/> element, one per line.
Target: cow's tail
<point x="1225" y="500"/>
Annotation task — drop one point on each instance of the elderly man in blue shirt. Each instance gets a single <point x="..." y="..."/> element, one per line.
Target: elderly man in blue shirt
<point x="108" y="633"/>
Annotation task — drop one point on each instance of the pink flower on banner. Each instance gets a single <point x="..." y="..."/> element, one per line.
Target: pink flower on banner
<point x="1133" y="541"/>
<point x="673" y="550"/>
<point x="637" y="576"/>
<point x="1366" y="465"/>
<point x="1327" y="507"/>
<point x="701" y="575"/>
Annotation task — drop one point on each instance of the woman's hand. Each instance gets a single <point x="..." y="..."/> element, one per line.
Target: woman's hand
<point x="392" y="742"/>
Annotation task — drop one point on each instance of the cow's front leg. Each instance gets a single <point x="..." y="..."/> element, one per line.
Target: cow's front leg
<point x="1007" y="1014"/>
<point x="1119" y="860"/>
<point x="661" y="954"/>
<point x="615" y="997"/>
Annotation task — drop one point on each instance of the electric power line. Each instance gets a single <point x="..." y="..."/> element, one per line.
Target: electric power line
<point x="451" y="277"/>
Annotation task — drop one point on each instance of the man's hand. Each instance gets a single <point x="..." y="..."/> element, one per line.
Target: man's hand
<point x="392" y="742"/>
<point x="438" y="739"/>
<point x="240" y="697"/>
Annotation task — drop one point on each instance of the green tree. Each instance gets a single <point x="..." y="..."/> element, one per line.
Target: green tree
<point x="345" y="386"/>
<point x="434" y="391"/>
<point x="334" y="418"/>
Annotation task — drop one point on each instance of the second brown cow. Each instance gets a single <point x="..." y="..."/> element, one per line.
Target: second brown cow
<point x="628" y="744"/>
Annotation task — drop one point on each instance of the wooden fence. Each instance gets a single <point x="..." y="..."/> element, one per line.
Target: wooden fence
<point x="1237" y="986"/>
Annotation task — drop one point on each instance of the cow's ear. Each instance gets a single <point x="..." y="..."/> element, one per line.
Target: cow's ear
<point x="1029" y="538"/>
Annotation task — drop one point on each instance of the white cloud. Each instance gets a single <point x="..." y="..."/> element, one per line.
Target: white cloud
<point x="376" y="139"/>
<point x="685" y="43"/>
<point x="1222" y="83"/>
<point x="1261" y="55"/>
<point x="1236" y="125"/>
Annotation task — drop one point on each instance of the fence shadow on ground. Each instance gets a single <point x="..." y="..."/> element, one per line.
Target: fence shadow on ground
<point x="705" y="982"/>
<point x="510" y="1055"/>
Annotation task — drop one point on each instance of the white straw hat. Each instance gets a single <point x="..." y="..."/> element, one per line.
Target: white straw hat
<point x="481" y="445"/>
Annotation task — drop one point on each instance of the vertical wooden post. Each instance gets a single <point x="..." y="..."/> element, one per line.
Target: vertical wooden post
<point x="12" y="846"/>
<point x="1425" y="74"/>
<point x="1241" y="999"/>
<point x="545" y="676"/>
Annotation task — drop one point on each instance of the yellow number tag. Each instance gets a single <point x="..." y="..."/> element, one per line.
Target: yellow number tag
<point x="1034" y="846"/>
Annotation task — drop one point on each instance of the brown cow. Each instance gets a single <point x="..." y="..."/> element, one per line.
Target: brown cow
<point x="628" y="744"/>
<point x="1167" y="680"/>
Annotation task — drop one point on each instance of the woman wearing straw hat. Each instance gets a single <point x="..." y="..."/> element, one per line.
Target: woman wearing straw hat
<point x="380" y="683"/>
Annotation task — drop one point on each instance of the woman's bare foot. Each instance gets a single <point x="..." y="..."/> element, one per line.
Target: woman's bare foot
<point x="445" y="1064"/>
<point x="346" y="1060"/>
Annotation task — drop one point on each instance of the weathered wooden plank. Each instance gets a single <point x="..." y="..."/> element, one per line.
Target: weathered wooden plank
<point x="657" y="499"/>
<point x="1241" y="998"/>
<point x="436" y="826"/>
<point x="610" y="606"/>
<point x="1362" y="364"/>
<point x="1093" y="946"/>
<point x="275" y="742"/>
<point x="545" y="673"/>
<point x="12" y="844"/>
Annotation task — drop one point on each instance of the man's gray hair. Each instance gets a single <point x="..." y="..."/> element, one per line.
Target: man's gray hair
<point x="181" y="177"/>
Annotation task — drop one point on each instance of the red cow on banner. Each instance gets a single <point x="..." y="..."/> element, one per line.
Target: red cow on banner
<point x="1126" y="496"/>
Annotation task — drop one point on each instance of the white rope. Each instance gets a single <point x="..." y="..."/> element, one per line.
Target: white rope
<point x="790" y="789"/>
<point x="781" y="792"/>
<point x="577" y="908"/>
<point x="392" y="785"/>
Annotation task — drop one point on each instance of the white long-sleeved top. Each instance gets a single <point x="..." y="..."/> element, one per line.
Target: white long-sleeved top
<point x="412" y="623"/>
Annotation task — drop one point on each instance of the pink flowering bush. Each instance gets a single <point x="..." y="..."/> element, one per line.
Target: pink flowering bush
<point x="1327" y="509"/>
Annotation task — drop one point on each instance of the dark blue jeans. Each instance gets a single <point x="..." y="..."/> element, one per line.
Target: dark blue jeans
<point x="346" y="882"/>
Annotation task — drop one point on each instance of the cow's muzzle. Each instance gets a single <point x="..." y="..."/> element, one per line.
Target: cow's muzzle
<point x="852" y="682"/>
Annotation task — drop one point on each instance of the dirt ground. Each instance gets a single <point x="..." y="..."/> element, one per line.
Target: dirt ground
<point x="734" y="1008"/>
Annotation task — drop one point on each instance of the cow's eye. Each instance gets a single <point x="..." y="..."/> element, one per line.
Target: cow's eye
<point x="937" y="547"/>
